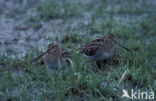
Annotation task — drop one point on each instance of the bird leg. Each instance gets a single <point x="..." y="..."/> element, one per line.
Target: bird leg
<point x="101" y="64"/>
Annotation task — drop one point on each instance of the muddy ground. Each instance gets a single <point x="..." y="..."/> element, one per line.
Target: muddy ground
<point x="20" y="32"/>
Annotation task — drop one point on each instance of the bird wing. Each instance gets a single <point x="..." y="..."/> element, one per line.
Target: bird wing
<point x="65" y="54"/>
<point x="91" y="48"/>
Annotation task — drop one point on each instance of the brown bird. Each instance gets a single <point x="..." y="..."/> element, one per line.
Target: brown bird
<point x="54" y="57"/>
<point x="101" y="48"/>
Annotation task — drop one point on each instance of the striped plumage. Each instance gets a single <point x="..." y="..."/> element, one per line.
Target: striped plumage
<point x="100" y="48"/>
<point x="54" y="57"/>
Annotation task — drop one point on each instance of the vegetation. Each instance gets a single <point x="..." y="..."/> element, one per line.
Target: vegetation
<point x="132" y="22"/>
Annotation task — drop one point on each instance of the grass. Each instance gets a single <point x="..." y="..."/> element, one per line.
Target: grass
<point x="133" y="23"/>
<point x="52" y="9"/>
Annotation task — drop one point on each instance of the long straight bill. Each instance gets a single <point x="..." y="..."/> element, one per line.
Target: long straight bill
<point x="121" y="45"/>
<point x="40" y="55"/>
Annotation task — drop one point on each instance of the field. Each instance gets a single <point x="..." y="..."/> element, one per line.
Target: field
<point x="28" y="26"/>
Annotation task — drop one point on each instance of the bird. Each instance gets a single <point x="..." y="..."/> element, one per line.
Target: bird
<point x="101" y="48"/>
<point x="54" y="57"/>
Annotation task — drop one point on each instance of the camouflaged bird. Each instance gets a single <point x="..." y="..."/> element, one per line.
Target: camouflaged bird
<point x="101" y="48"/>
<point x="54" y="57"/>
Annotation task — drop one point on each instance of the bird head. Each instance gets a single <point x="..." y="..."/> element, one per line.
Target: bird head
<point x="118" y="43"/>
